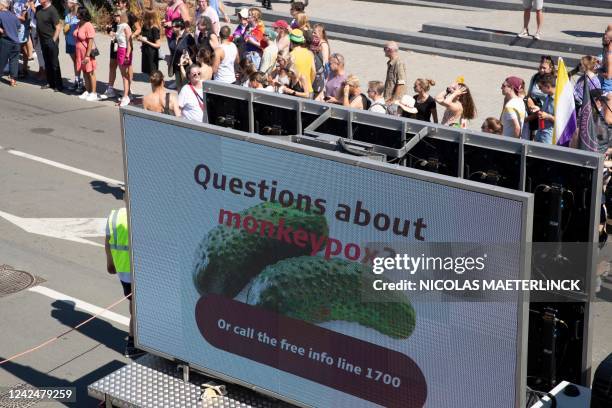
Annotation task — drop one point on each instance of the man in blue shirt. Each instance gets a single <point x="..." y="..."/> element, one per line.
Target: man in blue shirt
<point x="9" y="40"/>
<point x="546" y="118"/>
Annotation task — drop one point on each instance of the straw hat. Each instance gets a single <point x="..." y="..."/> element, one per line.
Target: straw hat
<point x="407" y="104"/>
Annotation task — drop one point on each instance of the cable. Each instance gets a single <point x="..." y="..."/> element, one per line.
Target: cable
<point x="539" y="395"/>
<point x="51" y="340"/>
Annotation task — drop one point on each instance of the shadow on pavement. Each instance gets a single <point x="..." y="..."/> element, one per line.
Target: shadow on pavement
<point x="583" y="34"/>
<point x="98" y="330"/>
<point x="39" y="379"/>
<point x="491" y="30"/>
<point x="140" y="77"/>
<point x="104" y="188"/>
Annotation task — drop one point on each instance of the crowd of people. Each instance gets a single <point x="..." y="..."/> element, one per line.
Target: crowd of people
<point x="293" y="58"/>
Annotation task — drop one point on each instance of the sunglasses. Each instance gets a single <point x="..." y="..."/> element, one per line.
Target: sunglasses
<point x="195" y="74"/>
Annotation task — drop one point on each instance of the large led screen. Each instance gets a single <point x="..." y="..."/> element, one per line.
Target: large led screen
<point x="249" y="260"/>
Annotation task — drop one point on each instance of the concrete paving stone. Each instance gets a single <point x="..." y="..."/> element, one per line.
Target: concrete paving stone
<point x="411" y="18"/>
<point x="549" y="7"/>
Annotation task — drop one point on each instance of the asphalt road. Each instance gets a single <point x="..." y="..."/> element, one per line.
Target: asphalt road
<point x="66" y="130"/>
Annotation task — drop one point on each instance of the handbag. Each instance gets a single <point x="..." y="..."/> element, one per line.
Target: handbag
<point x="94" y="52"/>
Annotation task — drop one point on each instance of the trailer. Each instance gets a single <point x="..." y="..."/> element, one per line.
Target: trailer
<point x="262" y="247"/>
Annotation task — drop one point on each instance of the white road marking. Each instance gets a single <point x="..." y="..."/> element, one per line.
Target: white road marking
<point x="70" y="229"/>
<point x="63" y="166"/>
<point x="82" y="305"/>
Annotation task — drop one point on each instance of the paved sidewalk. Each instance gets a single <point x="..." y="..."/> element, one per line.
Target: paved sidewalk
<point x="566" y="27"/>
<point x="369" y="63"/>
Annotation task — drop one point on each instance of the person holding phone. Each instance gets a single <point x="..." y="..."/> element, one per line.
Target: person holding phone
<point x="183" y="45"/>
<point x="150" y="39"/>
<point x="460" y="108"/>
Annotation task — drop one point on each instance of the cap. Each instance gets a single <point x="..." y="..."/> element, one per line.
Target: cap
<point x="297" y="36"/>
<point x="515" y="83"/>
<point x="244" y="13"/>
<point x="407" y="104"/>
<point x="280" y="24"/>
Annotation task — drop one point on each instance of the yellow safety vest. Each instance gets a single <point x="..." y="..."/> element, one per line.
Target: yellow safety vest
<point x="119" y="240"/>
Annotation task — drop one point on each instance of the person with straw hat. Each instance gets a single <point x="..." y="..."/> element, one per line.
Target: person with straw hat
<point x="407" y="107"/>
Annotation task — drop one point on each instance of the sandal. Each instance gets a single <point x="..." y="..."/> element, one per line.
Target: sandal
<point x="13" y="83"/>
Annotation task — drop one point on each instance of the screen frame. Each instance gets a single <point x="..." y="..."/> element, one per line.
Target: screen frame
<point x="526" y="199"/>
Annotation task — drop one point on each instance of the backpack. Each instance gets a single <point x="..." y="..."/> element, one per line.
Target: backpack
<point x="384" y="105"/>
<point x="366" y="101"/>
<point x="319" y="82"/>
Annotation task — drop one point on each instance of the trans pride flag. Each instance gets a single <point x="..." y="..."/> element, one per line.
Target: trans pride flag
<point x="565" y="108"/>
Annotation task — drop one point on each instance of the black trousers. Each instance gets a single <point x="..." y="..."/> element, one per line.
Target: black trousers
<point x="9" y="52"/>
<point x="50" y="51"/>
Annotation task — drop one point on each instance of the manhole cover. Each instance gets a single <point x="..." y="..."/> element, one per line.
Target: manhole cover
<point x="13" y="281"/>
<point x="7" y="395"/>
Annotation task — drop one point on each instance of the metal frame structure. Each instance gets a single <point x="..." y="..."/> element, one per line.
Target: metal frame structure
<point x="463" y="137"/>
<point x="293" y="144"/>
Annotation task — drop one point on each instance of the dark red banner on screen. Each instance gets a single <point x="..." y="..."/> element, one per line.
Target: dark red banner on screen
<point x="344" y="363"/>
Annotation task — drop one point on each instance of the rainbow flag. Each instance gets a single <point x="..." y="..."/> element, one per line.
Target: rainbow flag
<point x="565" y="108"/>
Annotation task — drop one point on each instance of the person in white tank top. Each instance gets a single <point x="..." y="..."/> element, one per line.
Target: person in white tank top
<point x="226" y="56"/>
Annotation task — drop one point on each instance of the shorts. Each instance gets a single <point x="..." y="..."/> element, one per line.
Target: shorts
<point x="122" y="58"/>
<point x="127" y="289"/>
<point x="533" y="4"/>
<point x="70" y="49"/>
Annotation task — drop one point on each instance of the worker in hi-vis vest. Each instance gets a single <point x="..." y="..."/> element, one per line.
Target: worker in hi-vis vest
<point x="118" y="262"/>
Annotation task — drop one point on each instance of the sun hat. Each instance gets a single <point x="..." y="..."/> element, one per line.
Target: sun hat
<point x="407" y="104"/>
<point x="270" y="33"/>
<point x="280" y="24"/>
<point x="244" y="13"/>
<point x="297" y="36"/>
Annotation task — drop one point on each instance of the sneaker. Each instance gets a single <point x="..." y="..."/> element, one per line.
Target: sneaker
<point x="93" y="97"/>
<point x="523" y="34"/>
<point x="84" y="95"/>
<point x="538" y="35"/>
<point x="109" y="93"/>
<point x="125" y="101"/>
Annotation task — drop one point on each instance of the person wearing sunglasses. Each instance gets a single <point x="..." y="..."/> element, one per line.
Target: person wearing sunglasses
<point x="535" y="97"/>
<point x="191" y="99"/>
